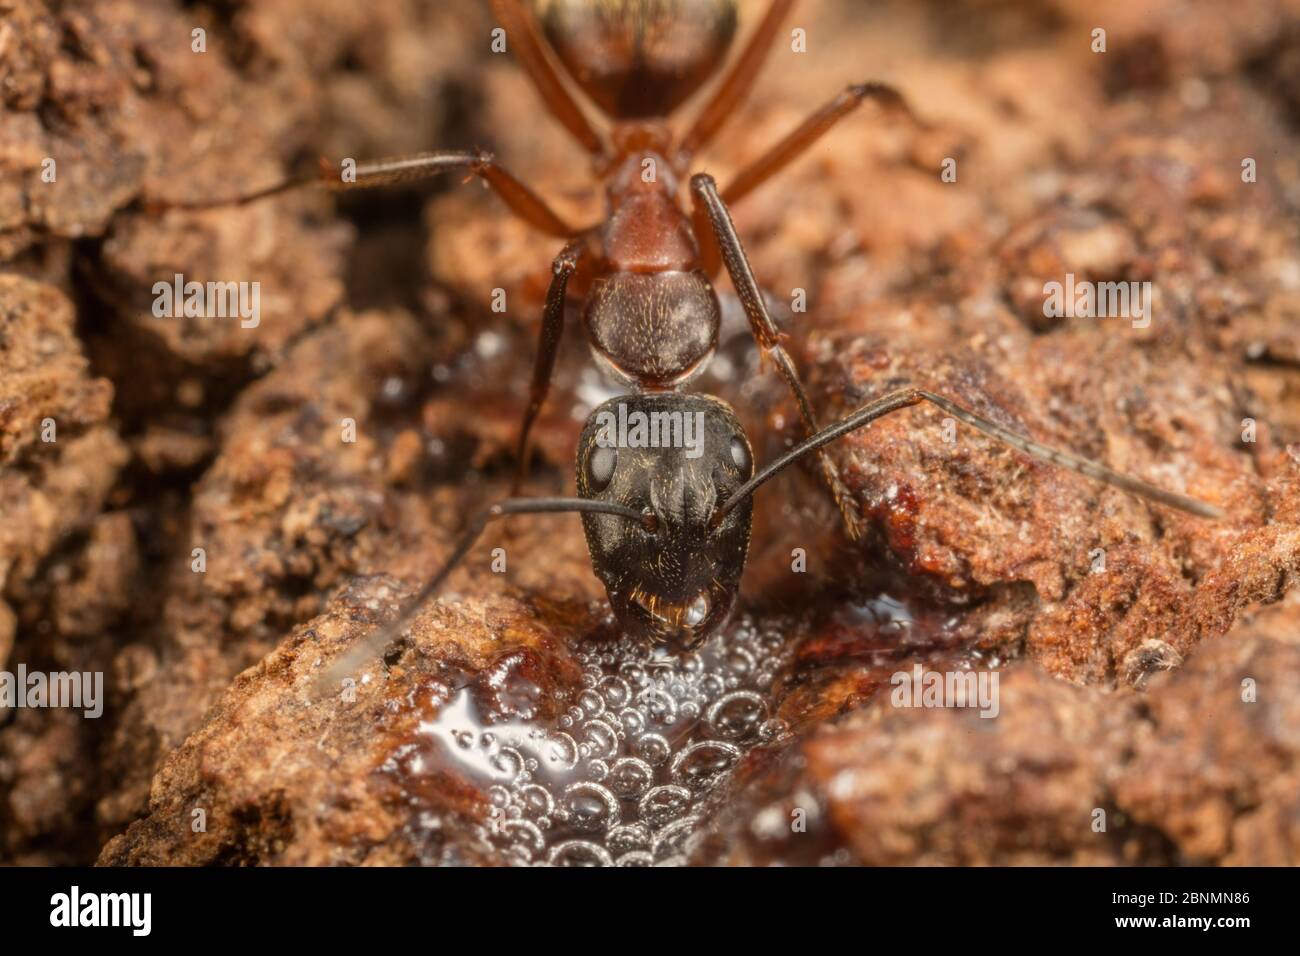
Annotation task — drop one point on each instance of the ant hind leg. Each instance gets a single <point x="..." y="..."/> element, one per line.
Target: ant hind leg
<point x="736" y="85"/>
<point x="527" y="43"/>
<point x="800" y="140"/>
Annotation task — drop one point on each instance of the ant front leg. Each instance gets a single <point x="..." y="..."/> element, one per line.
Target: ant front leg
<point x="548" y="346"/>
<point x="521" y="200"/>
<point x="709" y="205"/>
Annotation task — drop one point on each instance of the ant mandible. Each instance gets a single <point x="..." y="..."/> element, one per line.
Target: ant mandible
<point x="645" y="273"/>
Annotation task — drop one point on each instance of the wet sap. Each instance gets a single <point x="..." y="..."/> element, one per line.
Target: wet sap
<point x="624" y="775"/>
<point x="619" y="778"/>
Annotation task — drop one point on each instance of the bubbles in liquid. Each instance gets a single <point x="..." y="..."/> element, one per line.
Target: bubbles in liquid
<point x="635" y="858"/>
<point x="563" y="751"/>
<point x="579" y="853"/>
<point x="699" y="766"/>
<point x="537" y="801"/>
<point x="628" y="837"/>
<point x="659" y="705"/>
<point x="737" y="716"/>
<point x="653" y="748"/>
<point x="592" y="704"/>
<point x="619" y="778"/>
<point x="615" y="691"/>
<point x="601" y="738"/>
<point x="664" y="804"/>
<point x="630" y="777"/>
<point x="589" y="806"/>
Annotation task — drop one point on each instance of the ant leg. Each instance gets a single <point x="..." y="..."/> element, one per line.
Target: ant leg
<point x="522" y="31"/>
<point x="705" y="195"/>
<point x="372" y="645"/>
<point x="548" y="346"/>
<point x="811" y="130"/>
<point x="736" y="85"/>
<point x="907" y="397"/>
<point x="369" y="174"/>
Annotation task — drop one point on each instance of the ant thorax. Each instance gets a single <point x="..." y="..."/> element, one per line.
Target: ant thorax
<point x="652" y="314"/>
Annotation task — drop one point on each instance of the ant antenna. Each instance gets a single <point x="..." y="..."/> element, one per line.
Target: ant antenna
<point x="371" y="646"/>
<point x="904" y="398"/>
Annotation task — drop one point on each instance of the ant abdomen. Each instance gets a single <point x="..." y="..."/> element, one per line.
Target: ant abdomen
<point x="653" y="330"/>
<point x="639" y="58"/>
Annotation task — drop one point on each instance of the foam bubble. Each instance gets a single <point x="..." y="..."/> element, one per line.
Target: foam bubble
<point x="621" y="776"/>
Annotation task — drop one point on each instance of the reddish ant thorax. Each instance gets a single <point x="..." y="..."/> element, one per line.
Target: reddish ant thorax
<point x="652" y="315"/>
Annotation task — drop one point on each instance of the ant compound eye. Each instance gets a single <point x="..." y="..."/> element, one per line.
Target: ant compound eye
<point x="600" y="466"/>
<point x="740" y="455"/>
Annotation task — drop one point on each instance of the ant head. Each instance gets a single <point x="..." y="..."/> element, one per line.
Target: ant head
<point x="639" y="59"/>
<point x="675" y="458"/>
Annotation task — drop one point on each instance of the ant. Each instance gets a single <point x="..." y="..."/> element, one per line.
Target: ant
<point x="645" y="273"/>
<point x="668" y="527"/>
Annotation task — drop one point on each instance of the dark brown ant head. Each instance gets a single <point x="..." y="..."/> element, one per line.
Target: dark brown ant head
<point x="639" y="59"/>
<point x="674" y="576"/>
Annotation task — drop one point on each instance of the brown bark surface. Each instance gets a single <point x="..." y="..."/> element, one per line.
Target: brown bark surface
<point x="1159" y="687"/>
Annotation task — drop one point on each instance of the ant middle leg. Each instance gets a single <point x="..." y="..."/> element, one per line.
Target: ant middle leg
<point x="548" y="346"/>
<point x="710" y="206"/>
<point x="369" y="174"/>
<point x="812" y="129"/>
